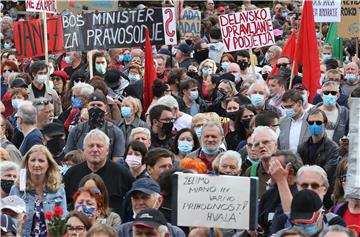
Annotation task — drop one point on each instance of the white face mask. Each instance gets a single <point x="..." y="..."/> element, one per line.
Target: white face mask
<point x="277" y="131"/>
<point x="41" y="78"/>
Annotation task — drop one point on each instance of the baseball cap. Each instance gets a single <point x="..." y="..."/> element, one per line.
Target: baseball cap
<point x="185" y="48"/>
<point x="305" y="207"/>
<point x="227" y="76"/>
<point x="149" y="217"/>
<point x="7" y="224"/>
<point x="18" y="83"/>
<point x="13" y="203"/>
<point x="60" y="73"/>
<point x="97" y="96"/>
<point x="53" y="129"/>
<point x="112" y="78"/>
<point x="145" y="185"/>
<point x="221" y="9"/>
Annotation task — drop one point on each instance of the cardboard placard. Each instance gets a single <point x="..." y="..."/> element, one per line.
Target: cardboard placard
<point x="48" y="6"/>
<point x="29" y="37"/>
<point x="76" y="6"/>
<point x="223" y="201"/>
<point x="190" y="22"/>
<point x="327" y="10"/>
<point x="247" y="29"/>
<point x="118" y="29"/>
<point x="349" y="26"/>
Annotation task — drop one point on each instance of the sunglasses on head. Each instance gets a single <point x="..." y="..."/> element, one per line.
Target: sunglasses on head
<point x="92" y="190"/>
<point x="317" y="122"/>
<point x="329" y="92"/>
<point x="43" y="102"/>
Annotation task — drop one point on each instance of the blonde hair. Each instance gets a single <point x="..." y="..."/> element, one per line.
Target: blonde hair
<point x="211" y="116"/>
<point x="4" y="155"/>
<point x="136" y="103"/>
<point x="207" y="61"/>
<point x="52" y="178"/>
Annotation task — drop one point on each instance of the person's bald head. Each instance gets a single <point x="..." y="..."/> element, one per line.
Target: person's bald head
<point x="233" y="68"/>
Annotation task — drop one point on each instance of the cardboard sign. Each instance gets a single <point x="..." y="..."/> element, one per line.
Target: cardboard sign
<point x="29" y="37"/>
<point x="223" y="201"/>
<point x="247" y="29"/>
<point x="118" y="29"/>
<point x="41" y="6"/>
<point x="327" y="10"/>
<point x="349" y="26"/>
<point x="190" y="22"/>
<point x="76" y="6"/>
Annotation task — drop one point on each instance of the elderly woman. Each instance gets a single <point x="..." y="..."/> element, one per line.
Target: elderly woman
<point x="142" y="135"/>
<point x="8" y="174"/>
<point x="41" y="190"/>
<point x="228" y="163"/>
<point x="131" y="110"/>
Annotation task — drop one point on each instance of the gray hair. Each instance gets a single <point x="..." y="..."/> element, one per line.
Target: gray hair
<point x="337" y="228"/>
<point x="213" y="123"/>
<point x="98" y="134"/>
<point x="139" y="130"/>
<point x="39" y="104"/>
<point x="7" y="165"/>
<point x="27" y="112"/>
<point x="260" y="82"/>
<point x="260" y="129"/>
<point x="85" y="88"/>
<point x="276" y="49"/>
<point x="315" y="169"/>
<point x="292" y="158"/>
<point x="231" y="155"/>
<point x="331" y="83"/>
<point x="169" y="101"/>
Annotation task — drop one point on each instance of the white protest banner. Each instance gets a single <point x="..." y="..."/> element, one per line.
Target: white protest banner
<point x="247" y="29"/>
<point x="228" y="202"/>
<point x="190" y="22"/>
<point x="327" y="10"/>
<point x="48" y="6"/>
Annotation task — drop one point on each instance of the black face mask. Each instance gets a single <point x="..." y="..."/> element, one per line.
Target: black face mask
<point x="243" y="65"/>
<point x="55" y="146"/>
<point x="232" y="115"/>
<point x="96" y="118"/>
<point x="115" y="87"/>
<point x="201" y="55"/>
<point x="167" y="128"/>
<point x="284" y="70"/>
<point x="6" y="185"/>
<point x="192" y="74"/>
<point x="188" y="42"/>
<point x="246" y="122"/>
<point x="265" y="76"/>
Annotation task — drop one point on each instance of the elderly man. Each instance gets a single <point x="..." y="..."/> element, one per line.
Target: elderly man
<point x="142" y="135"/>
<point x="265" y="144"/>
<point x="229" y="163"/>
<point x="8" y="174"/>
<point x="116" y="177"/>
<point x="338" y="116"/>
<point x="352" y="77"/>
<point x="212" y="135"/>
<point x="45" y="111"/>
<point x="259" y="93"/>
<point x="272" y="55"/>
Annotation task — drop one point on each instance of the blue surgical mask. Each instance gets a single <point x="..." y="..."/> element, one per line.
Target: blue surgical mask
<point x="315" y="130"/>
<point x="126" y="112"/>
<point x="185" y="147"/>
<point x="305" y="98"/>
<point x="225" y="65"/>
<point x="87" y="210"/>
<point x="76" y="102"/>
<point x="133" y="77"/>
<point x="290" y="112"/>
<point x="257" y="100"/>
<point x="310" y="229"/>
<point x="68" y="60"/>
<point x="206" y="72"/>
<point x="198" y="131"/>
<point x="210" y="152"/>
<point x="194" y="95"/>
<point x="101" y="68"/>
<point x="350" y="77"/>
<point x="326" y="57"/>
<point x="329" y="100"/>
<point x="127" y="58"/>
<point x="16" y="102"/>
<point x="7" y="45"/>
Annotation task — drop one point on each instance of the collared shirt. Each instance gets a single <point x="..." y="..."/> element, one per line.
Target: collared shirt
<point x="295" y="132"/>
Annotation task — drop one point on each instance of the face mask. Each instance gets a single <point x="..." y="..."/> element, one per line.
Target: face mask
<point x="232" y="115"/>
<point x="133" y="77"/>
<point x="193" y="95"/>
<point x="188" y="42"/>
<point x="133" y="161"/>
<point x="246" y="122"/>
<point x="167" y="127"/>
<point x="290" y="112"/>
<point x="68" y="60"/>
<point x="225" y="65"/>
<point x="96" y="117"/>
<point x="41" y="78"/>
<point x="210" y="152"/>
<point x="243" y="65"/>
<point x="6" y="75"/>
<point x="329" y="100"/>
<point x="265" y="76"/>
<point x="237" y="77"/>
<point x="284" y="70"/>
<point x="206" y="72"/>
<point x="87" y="210"/>
<point x="277" y="131"/>
<point x="55" y="146"/>
<point x="6" y="185"/>
<point x="76" y="102"/>
<point x="51" y="84"/>
<point x="192" y="74"/>
<point x="16" y="102"/>
<point x="201" y="55"/>
<point x="198" y="131"/>
<point x="305" y="98"/>
<point x="185" y="147"/>
<point x="127" y="58"/>
<point x="7" y="45"/>
<point x="310" y="229"/>
<point x="350" y="77"/>
<point x="101" y="68"/>
<point x="257" y="100"/>
<point x="120" y="58"/>
<point x="267" y="56"/>
<point x="315" y="130"/>
<point x="126" y="112"/>
<point x="326" y="57"/>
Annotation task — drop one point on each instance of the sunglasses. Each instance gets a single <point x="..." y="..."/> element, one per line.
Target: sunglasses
<point x="317" y="122"/>
<point x="313" y="186"/>
<point x="77" y="229"/>
<point x="282" y="65"/>
<point x="330" y="92"/>
<point x="79" y="80"/>
<point x="43" y="102"/>
<point x="7" y="70"/>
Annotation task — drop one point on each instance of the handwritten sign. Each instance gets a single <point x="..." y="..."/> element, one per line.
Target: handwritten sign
<point x="118" y="29"/>
<point x="190" y="22"/>
<point x="349" y="26"/>
<point x="29" y="37"/>
<point x="41" y="6"/>
<point x="215" y="201"/>
<point x="327" y="10"/>
<point x="247" y="29"/>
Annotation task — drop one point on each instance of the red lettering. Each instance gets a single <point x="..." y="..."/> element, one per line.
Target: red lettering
<point x="227" y="42"/>
<point x="223" y="21"/>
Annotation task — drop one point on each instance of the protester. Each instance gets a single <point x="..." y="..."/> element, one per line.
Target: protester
<point x="15" y="208"/>
<point x="135" y="158"/>
<point x="9" y="173"/>
<point x="77" y="224"/>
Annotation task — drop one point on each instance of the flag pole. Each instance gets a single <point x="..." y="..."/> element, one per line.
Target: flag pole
<point x="292" y="74"/>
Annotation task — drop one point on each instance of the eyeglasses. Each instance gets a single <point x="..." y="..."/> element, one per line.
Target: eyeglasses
<point x="249" y="145"/>
<point x="287" y="106"/>
<point x="330" y="92"/>
<point x="282" y="65"/>
<point x="317" y="122"/>
<point x="166" y="120"/>
<point x="265" y="143"/>
<point x="313" y="186"/>
<point x="78" y="228"/>
<point x="43" y="102"/>
<point x="7" y="70"/>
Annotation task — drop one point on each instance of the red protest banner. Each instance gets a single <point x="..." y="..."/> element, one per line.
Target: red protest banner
<point x="29" y="37"/>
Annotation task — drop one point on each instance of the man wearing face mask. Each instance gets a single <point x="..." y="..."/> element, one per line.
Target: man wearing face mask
<point x="15" y="208"/>
<point x="8" y="173"/>
<point x="293" y="128"/>
<point x="337" y="115"/>
<point x="54" y="140"/>
<point x="45" y="112"/>
<point x="243" y="60"/>
<point x="352" y="77"/>
<point x="115" y="83"/>
<point x="201" y="51"/>
<point x="101" y="61"/>
<point x="183" y="55"/>
<point x="97" y="113"/>
<point x="162" y="122"/>
<point x="38" y="87"/>
<point x="74" y="60"/>
<point x="272" y="55"/>
<point x="326" y="52"/>
<point x="190" y="102"/>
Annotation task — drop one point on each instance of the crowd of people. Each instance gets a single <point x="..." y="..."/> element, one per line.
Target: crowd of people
<point x="83" y="146"/>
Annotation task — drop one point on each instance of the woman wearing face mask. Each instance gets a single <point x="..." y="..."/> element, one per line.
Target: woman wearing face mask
<point x="7" y="67"/>
<point x="185" y="142"/>
<point x="206" y="69"/>
<point x="225" y="61"/>
<point x="77" y="224"/>
<point x="18" y="95"/>
<point x="125" y="58"/>
<point x="9" y="172"/>
<point x="94" y="182"/>
<point x="134" y="159"/>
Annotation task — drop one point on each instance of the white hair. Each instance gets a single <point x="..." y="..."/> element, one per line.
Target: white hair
<point x="7" y="165"/>
<point x="85" y="88"/>
<point x="260" y="129"/>
<point x="315" y="169"/>
<point x="98" y="134"/>
<point x="139" y="130"/>
<point x="169" y="101"/>
<point x="231" y="155"/>
<point x="260" y="82"/>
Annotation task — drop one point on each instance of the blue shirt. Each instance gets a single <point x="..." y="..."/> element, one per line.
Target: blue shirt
<point x="33" y="138"/>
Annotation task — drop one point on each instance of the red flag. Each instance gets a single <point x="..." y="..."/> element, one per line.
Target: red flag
<point x="289" y="51"/>
<point x="149" y="73"/>
<point x="307" y="50"/>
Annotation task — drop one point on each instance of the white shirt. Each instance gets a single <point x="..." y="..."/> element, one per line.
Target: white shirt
<point x="295" y="131"/>
<point x="332" y="118"/>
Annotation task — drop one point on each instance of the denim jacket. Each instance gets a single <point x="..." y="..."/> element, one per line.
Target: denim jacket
<point x="49" y="202"/>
